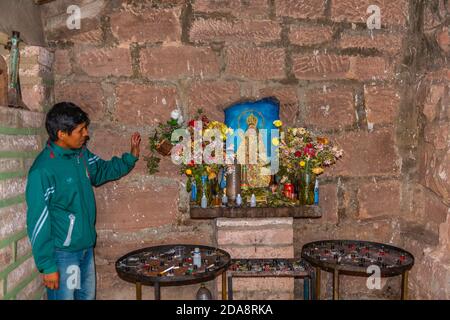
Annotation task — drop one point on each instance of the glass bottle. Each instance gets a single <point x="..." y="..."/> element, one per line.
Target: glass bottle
<point x="244" y="178"/>
<point x="233" y="182"/>
<point x="197" y="258"/>
<point x="206" y="190"/>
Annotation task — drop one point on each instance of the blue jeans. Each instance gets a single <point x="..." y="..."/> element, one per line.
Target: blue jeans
<point x="76" y="276"/>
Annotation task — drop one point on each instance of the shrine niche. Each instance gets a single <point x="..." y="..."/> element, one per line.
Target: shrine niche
<point x="252" y="117"/>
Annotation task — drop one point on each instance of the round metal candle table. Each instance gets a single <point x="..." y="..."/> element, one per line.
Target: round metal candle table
<point x="357" y="258"/>
<point x="172" y="265"/>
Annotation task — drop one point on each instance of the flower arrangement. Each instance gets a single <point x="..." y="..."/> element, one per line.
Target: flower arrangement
<point x="160" y="142"/>
<point x="303" y="155"/>
<point x="194" y="171"/>
<point x="301" y="150"/>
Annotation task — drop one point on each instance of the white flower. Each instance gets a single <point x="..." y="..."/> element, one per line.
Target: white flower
<point x="175" y="114"/>
<point x="180" y="120"/>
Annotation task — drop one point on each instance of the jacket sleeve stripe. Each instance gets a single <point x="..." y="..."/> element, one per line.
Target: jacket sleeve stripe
<point x="48" y="195"/>
<point x="93" y="160"/>
<point x="51" y="189"/>
<point x="38" y="222"/>
<point x="40" y="227"/>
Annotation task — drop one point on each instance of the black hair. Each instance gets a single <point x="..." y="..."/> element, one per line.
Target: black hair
<point x="64" y="116"/>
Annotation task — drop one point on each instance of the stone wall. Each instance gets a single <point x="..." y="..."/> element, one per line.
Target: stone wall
<point x="426" y="229"/>
<point x="21" y="138"/>
<point x="132" y="62"/>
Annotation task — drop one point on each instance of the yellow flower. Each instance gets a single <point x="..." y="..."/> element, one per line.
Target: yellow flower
<point x="223" y="129"/>
<point x="211" y="176"/>
<point x="302" y="163"/>
<point x="277" y="123"/>
<point x="188" y="172"/>
<point x="275" y="141"/>
<point x="302" y="131"/>
<point x="323" y="140"/>
<point x="208" y="169"/>
<point x="317" y="170"/>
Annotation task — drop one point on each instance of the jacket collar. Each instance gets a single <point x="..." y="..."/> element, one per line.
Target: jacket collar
<point x="60" y="151"/>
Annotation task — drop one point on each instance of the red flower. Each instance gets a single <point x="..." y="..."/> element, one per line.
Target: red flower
<point x="191" y="123"/>
<point x="298" y="154"/>
<point x="309" y="150"/>
<point x="191" y="164"/>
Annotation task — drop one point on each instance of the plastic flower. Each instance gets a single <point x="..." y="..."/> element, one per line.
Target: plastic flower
<point x="302" y="163"/>
<point x="309" y="150"/>
<point x="275" y="141"/>
<point x="317" y="170"/>
<point x="219" y="126"/>
<point x="188" y="172"/>
<point x="175" y="114"/>
<point x="323" y="140"/>
<point x="212" y="176"/>
<point x="277" y="123"/>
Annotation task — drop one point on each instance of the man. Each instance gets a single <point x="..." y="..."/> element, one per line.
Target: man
<point x="61" y="204"/>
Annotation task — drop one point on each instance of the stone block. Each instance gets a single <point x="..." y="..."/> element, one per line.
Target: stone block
<point x="144" y="104"/>
<point x="179" y="62"/>
<point x="253" y="31"/>
<point x="255" y="63"/>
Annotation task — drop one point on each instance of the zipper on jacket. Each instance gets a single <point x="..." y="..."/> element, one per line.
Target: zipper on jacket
<point x="69" y="233"/>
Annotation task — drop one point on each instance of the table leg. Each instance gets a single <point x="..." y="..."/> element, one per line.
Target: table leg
<point x="404" y="295"/>
<point x="317" y="283"/>
<point x="157" y="291"/>
<point x="306" y="293"/>
<point x="224" y="286"/>
<point x="230" y="287"/>
<point x="138" y="291"/>
<point x="336" y="285"/>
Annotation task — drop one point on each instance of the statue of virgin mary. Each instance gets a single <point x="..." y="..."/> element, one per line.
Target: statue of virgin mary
<point x="248" y="119"/>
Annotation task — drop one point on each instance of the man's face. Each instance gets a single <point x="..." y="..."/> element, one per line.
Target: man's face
<point x="76" y="139"/>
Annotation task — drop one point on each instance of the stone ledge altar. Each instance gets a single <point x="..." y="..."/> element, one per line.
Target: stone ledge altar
<point x="296" y="212"/>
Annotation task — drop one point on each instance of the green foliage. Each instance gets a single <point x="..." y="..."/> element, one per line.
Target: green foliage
<point x="162" y="132"/>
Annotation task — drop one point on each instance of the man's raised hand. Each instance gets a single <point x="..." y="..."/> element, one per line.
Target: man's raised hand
<point x="135" y="144"/>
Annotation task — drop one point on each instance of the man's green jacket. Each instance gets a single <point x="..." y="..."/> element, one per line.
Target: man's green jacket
<point x="61" y="203"/>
